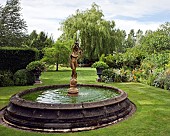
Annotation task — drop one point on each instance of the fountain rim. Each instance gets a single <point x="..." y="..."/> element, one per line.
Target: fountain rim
<point x="17" y="100"/>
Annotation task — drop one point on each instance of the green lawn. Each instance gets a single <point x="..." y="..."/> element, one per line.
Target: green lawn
<point x="152" y="117"/>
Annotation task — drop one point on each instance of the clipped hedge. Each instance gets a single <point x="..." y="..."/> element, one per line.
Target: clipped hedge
<point x="14" y="59"/>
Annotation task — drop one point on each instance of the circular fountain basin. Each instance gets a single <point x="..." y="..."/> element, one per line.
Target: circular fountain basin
<point x="61" y="96"/>
<point x="50" y="109"/>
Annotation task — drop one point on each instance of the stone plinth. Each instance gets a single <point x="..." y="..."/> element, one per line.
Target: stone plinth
<point x="73" y="87"/>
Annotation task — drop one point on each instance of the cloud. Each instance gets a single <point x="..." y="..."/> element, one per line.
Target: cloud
<point x="46" y="15"/>
<point x="135" y="8"/>
<point x="130" y="24"/>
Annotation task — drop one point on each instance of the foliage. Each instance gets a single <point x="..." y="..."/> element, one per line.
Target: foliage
<point x="6" y="78"/>
<point x="97" y="35"/>
<point x="159" y="81"/>
<point x="115" y="75"/>
<point x="23" y="77"/>
<point x="163" y="80"/>
<point x="36" y="66"/>
<point x="150" y="119"/>
<point x="14" y="59"/>
<point x="12" y="26"/>
<point x="158" y="40"/>
<point x="100" y="64"/>
<point x="155" y="60"/>
<point x="58" y="54"/>
<point x="130" y="41"/>
<point x="110" y="61"/>
<point x="114" y="61"/>
<point x="131" y="58"/>
<point x="102" y="58"/>
<point x="39" y="41"/>
<point x="136" y="75"/>
<point x="108" y="75"/>
<point x="167" y="79"/>
<point x="119" y="38"/>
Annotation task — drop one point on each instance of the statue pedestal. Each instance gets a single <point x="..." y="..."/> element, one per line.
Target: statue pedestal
<point x="73" y="90"/>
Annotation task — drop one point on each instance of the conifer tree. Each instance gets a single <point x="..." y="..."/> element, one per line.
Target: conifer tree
<point x="13" y="28"/>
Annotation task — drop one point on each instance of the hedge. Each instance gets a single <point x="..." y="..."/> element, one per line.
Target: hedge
<point x="14" y="59"/>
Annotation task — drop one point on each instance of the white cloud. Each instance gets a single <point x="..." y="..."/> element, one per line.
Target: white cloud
<point x="45" y="15"/>
<point x="134" y="8"/>
<point x="128" y="25"/>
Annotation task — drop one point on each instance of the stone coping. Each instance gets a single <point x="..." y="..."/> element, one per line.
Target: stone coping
<point x="17" y="100"/>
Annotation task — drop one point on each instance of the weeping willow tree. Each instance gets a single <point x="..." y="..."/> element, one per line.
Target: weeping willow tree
<point x="97" y="36"/>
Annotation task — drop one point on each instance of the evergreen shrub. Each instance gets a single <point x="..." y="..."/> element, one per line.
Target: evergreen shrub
<point x="23" y="77"/>
<point x="6" y="78"/>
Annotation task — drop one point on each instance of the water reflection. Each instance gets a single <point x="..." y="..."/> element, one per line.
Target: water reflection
<point x="60" y="95"/>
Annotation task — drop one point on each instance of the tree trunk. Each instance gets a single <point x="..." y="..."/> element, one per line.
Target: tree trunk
<point x="57" y="66"/>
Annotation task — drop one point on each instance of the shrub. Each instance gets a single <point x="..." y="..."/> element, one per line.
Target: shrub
<point x="14" y="59"/>
<point x="23" y="77"/>
<point x="108" y="75"/>
<point x="163" y="80"/>
<point x="6" y="78"/>
<point x="36" y="66"/>
<point x="120" y="76"/>
<point x="114" y="75"/>
<point x="151" y="80"/>
<point x="167" y="83"/>
<point x="113" y="61"/>
<point x="167" y="79"/>
<point x="100" y="64"/>
<point x="159" y="81"/>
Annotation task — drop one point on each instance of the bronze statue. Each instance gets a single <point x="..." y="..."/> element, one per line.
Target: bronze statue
<point x="73" y="64"/>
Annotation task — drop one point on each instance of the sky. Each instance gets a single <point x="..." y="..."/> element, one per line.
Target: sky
<point x="46" y="15"/>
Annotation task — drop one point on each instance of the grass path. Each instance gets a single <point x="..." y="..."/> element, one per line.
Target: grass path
<point x="152" y="117"/>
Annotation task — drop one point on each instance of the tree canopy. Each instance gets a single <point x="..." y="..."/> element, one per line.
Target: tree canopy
<point x="158" y="40"/>
<point x="58" y="53"/>
<point x="97" y="36"/>
<point x="12" y="27"/>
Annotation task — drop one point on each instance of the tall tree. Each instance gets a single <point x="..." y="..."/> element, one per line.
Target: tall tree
<point x="40" y="41"/>
<point x="13" y="27"/>
<point x="130" y="41"/>
<point x="33" y="35"/>
<point x="139" y="36"/>
<point x="30" y="39"/>
<point x="119" y="40"/>
<point x="96" y="34"/>
<point x="158" y="40"/>
<point x="57" y="54"/>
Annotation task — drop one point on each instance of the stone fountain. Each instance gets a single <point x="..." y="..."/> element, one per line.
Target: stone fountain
<point x="71" y="116"/>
